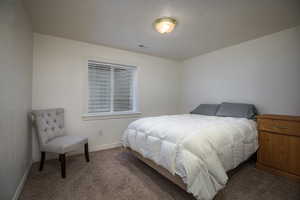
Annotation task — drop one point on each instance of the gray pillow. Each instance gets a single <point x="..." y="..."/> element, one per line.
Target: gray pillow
<point x="239" y="110"/>
<point x="206" y="109"/>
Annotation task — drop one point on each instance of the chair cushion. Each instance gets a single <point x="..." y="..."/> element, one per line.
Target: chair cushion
<point x="64" y="144"/>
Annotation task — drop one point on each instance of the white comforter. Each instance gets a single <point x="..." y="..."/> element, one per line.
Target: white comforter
<point x="198" y="148"/>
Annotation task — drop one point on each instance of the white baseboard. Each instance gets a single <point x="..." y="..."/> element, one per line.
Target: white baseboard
<point x="105" y="146"/>
<point x="22" y="182"/>
<point x="91" y="149"/>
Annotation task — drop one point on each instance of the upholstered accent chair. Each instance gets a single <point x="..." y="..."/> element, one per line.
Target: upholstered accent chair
<point x="49" y="126"/>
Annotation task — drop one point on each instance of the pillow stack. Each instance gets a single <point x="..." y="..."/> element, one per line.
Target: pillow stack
<point x="225" y="109"/>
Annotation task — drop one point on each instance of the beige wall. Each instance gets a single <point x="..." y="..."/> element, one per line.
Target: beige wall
<point x="59" y="81"/>
<point x="15" y="99"/>
<point x="265" y="72"/>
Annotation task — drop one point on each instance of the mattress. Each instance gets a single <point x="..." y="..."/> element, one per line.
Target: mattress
<point x="200" y="149"/>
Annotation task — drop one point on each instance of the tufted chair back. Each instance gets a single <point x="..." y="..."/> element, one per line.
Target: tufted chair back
<point x="49" y="124"/>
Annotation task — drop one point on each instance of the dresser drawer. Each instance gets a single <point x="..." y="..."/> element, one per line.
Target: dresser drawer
<point x="280" y="126"/>
<point x="279" y="144"/>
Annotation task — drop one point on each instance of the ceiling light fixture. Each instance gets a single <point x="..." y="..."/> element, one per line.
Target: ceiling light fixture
<point x="164" y="25"/>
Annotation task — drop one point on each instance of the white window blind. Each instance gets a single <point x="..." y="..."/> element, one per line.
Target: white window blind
<point x="111" y="87"/>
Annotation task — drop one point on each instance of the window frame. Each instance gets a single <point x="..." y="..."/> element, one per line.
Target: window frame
<point x="134" y="113"/>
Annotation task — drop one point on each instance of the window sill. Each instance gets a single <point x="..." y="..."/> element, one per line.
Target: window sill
<point x="104" y="116"/>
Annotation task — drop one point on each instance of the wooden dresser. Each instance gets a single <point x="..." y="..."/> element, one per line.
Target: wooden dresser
<point x="279" y="140"/>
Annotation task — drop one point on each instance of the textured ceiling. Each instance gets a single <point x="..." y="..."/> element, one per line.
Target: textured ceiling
<point x="203" y="25"/>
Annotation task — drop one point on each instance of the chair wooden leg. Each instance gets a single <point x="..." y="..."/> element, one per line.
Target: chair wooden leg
<point x="63" y="165"/>
<point x="43" y="156"/>
<point x="86" y="152"/>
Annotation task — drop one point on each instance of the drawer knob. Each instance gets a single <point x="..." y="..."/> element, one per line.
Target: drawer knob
<point x="281" y="127"/>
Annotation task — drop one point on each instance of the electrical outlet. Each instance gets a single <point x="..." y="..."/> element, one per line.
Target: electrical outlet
<point x="100" y="132"/>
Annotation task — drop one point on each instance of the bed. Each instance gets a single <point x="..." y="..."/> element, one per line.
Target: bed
<point x="194" y="151"/>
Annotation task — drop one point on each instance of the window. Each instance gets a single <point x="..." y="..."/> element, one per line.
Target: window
<point x="111" y="88"/>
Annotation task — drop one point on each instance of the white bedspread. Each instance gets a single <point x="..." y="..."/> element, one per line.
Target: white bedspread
<point x="198" y="148"/>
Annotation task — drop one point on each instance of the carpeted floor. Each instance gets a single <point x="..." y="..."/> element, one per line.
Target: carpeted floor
<point x="117" y="175"/>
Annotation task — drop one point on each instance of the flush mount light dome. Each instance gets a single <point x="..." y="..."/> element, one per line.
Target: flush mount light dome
<point x="164" y="25"/>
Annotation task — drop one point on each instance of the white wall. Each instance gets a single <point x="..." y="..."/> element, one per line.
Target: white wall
<point x="15" y="99"/>
<point x="265" y="72"/>
<point x="58" y="81"/>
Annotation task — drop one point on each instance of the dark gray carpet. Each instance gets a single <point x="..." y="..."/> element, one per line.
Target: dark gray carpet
<point x="117" y="175"/>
